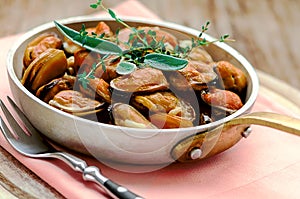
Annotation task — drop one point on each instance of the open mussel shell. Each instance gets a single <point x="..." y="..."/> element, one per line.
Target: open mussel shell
<point x="39" y="45"/>
<point x="97" y="88"/>
<point x="164" y="102"/>
<point x="167" y="121"/>
<point x="127" y="115"/>
<point x="49" y="90"/>
<point x="222" y="99"/>
<point x="47" y="66"/>
<point x="232" y="78"/>
<point x="74" y="102"/>
<point x="141" y="80"/>
<point x="161" y="35"/>
<point x="196" y="75"/>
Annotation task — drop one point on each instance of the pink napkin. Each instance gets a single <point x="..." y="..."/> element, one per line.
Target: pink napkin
<point x="265" y="165"/>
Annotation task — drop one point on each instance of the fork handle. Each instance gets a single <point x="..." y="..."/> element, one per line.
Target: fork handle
<point x="92" y="173"/>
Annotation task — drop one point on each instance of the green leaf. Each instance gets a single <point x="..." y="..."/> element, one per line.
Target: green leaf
<point x="125" y="68"/>
<point x="91" y="43"/>
<point x="94" y="6"/>
<point x="112" y="14"/>
<point x="165" y="62"/>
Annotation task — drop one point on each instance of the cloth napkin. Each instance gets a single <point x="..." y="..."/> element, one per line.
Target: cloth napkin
<point x="265" y="165"/>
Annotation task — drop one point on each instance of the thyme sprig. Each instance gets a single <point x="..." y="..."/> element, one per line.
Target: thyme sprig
<point x="141" y="52"/>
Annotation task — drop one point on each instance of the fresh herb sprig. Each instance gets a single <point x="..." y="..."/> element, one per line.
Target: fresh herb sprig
<point x="141" y="52"/>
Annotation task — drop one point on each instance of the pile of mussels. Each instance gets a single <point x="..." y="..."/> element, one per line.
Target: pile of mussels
<point x="202" y="92"/>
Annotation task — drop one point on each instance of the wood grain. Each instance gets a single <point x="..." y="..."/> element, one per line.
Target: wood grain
<point x="16" y="181"/>
<point x="266" y="32"/>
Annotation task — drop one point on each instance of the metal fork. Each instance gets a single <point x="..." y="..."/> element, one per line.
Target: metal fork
<point x="35" y="146"/>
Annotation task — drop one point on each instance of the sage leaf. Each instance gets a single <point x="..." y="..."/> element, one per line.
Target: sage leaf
<point x="124" y="68"/>
<point x="165" y="62"/>
<point x="91" y="43"/>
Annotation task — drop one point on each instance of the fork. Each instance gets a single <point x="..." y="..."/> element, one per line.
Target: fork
<point x="35" y="146"/>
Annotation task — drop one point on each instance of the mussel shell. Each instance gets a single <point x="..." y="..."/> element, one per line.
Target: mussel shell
<point x="161" y="35"/>
<point x="47" y="66"/>
<point x="222" y="99"/>
<point x="49" y="90"/>
<point x="233" y="78"/>
<point x="164" y="102"/>
<point x="97" y="88"/>
<point x="141" y="80"/>
<point x="39" y="45"/>
<point x="196" y="75"/>
<point x="167" y="121"/>
<point x="126" y="115"/>
<point x="74" y="102"/>
<point x="200" y="54"/>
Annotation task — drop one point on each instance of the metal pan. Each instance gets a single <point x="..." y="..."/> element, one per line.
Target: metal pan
<point x="111" y="143"/>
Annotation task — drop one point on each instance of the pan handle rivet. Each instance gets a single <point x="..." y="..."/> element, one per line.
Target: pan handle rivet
<point x="246" y="132"/>
<point x="195" y="153"/>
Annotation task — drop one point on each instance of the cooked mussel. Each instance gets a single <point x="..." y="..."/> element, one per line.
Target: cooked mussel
<point x="49" y="65"/>
<point x="97" y="88"/>
<point x="141" y="80"/>
<point x="39" y="45"/>
<point x="102" y="28"/>
<point x="70" y="47"/>
<point x="200" y="54"/>
<point x="223" y="99"/>
<point x="167" y="121"/>
<point x="84" y="60"/>
<point x="74" y="102"/>
<point x="49" y="90"/>
<point x="164" y="102"/>
<point x="196" y="75"/>
<point x="232" y="77"/>
<point x="167" y="38"/>
<point x="126" y="115"/>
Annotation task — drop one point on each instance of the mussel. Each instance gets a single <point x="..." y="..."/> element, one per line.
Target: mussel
<point x="102" y="28"/>
<point x="196" y="75"/>
<point x="40" y="45"/>
<point x="84" y="60"/>
<point x="97" y="88"/>
<point x="201" y="55"/>
<point x="164" y="102"/>
<point x="233" y="78"/>
<point x="49" y="90"/>
<point x="167" y="121"/>
<point x="126" y="115"/>
<point x="223" y="99"/>
<point x="51" y="64"/>
<point x="141" y="80"/>
<point x="74" y="102"/>
<point x="167" y="38"/>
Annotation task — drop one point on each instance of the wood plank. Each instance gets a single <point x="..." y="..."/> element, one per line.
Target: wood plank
<point x="16" y="181"/>
<point x="266" y="32"/>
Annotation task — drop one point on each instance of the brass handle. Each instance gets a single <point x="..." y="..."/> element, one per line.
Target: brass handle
<point x="212" y="142"/>
<point x="274" y="120"/>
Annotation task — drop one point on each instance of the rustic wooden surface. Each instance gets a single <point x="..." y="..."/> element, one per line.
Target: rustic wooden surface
<point x="16" y="181"/>
<point x="266" y="32"/>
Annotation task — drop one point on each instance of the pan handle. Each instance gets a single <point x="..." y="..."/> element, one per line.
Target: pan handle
<point x="274" y="120"/>
<point x="209" y="143"/>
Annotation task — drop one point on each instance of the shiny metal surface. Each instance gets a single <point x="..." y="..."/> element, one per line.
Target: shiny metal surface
<point x="31" y="144"/>
<point x="112" y="143"/>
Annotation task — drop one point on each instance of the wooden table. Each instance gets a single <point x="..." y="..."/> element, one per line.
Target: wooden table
<point x="18" y="182"/>
<point x="266" y="32"/>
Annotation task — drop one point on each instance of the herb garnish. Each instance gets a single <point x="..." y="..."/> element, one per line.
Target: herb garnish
<point x="140" y="53"/>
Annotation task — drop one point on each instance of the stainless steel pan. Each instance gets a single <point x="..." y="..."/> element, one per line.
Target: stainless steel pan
<point x="111" y="143"/>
